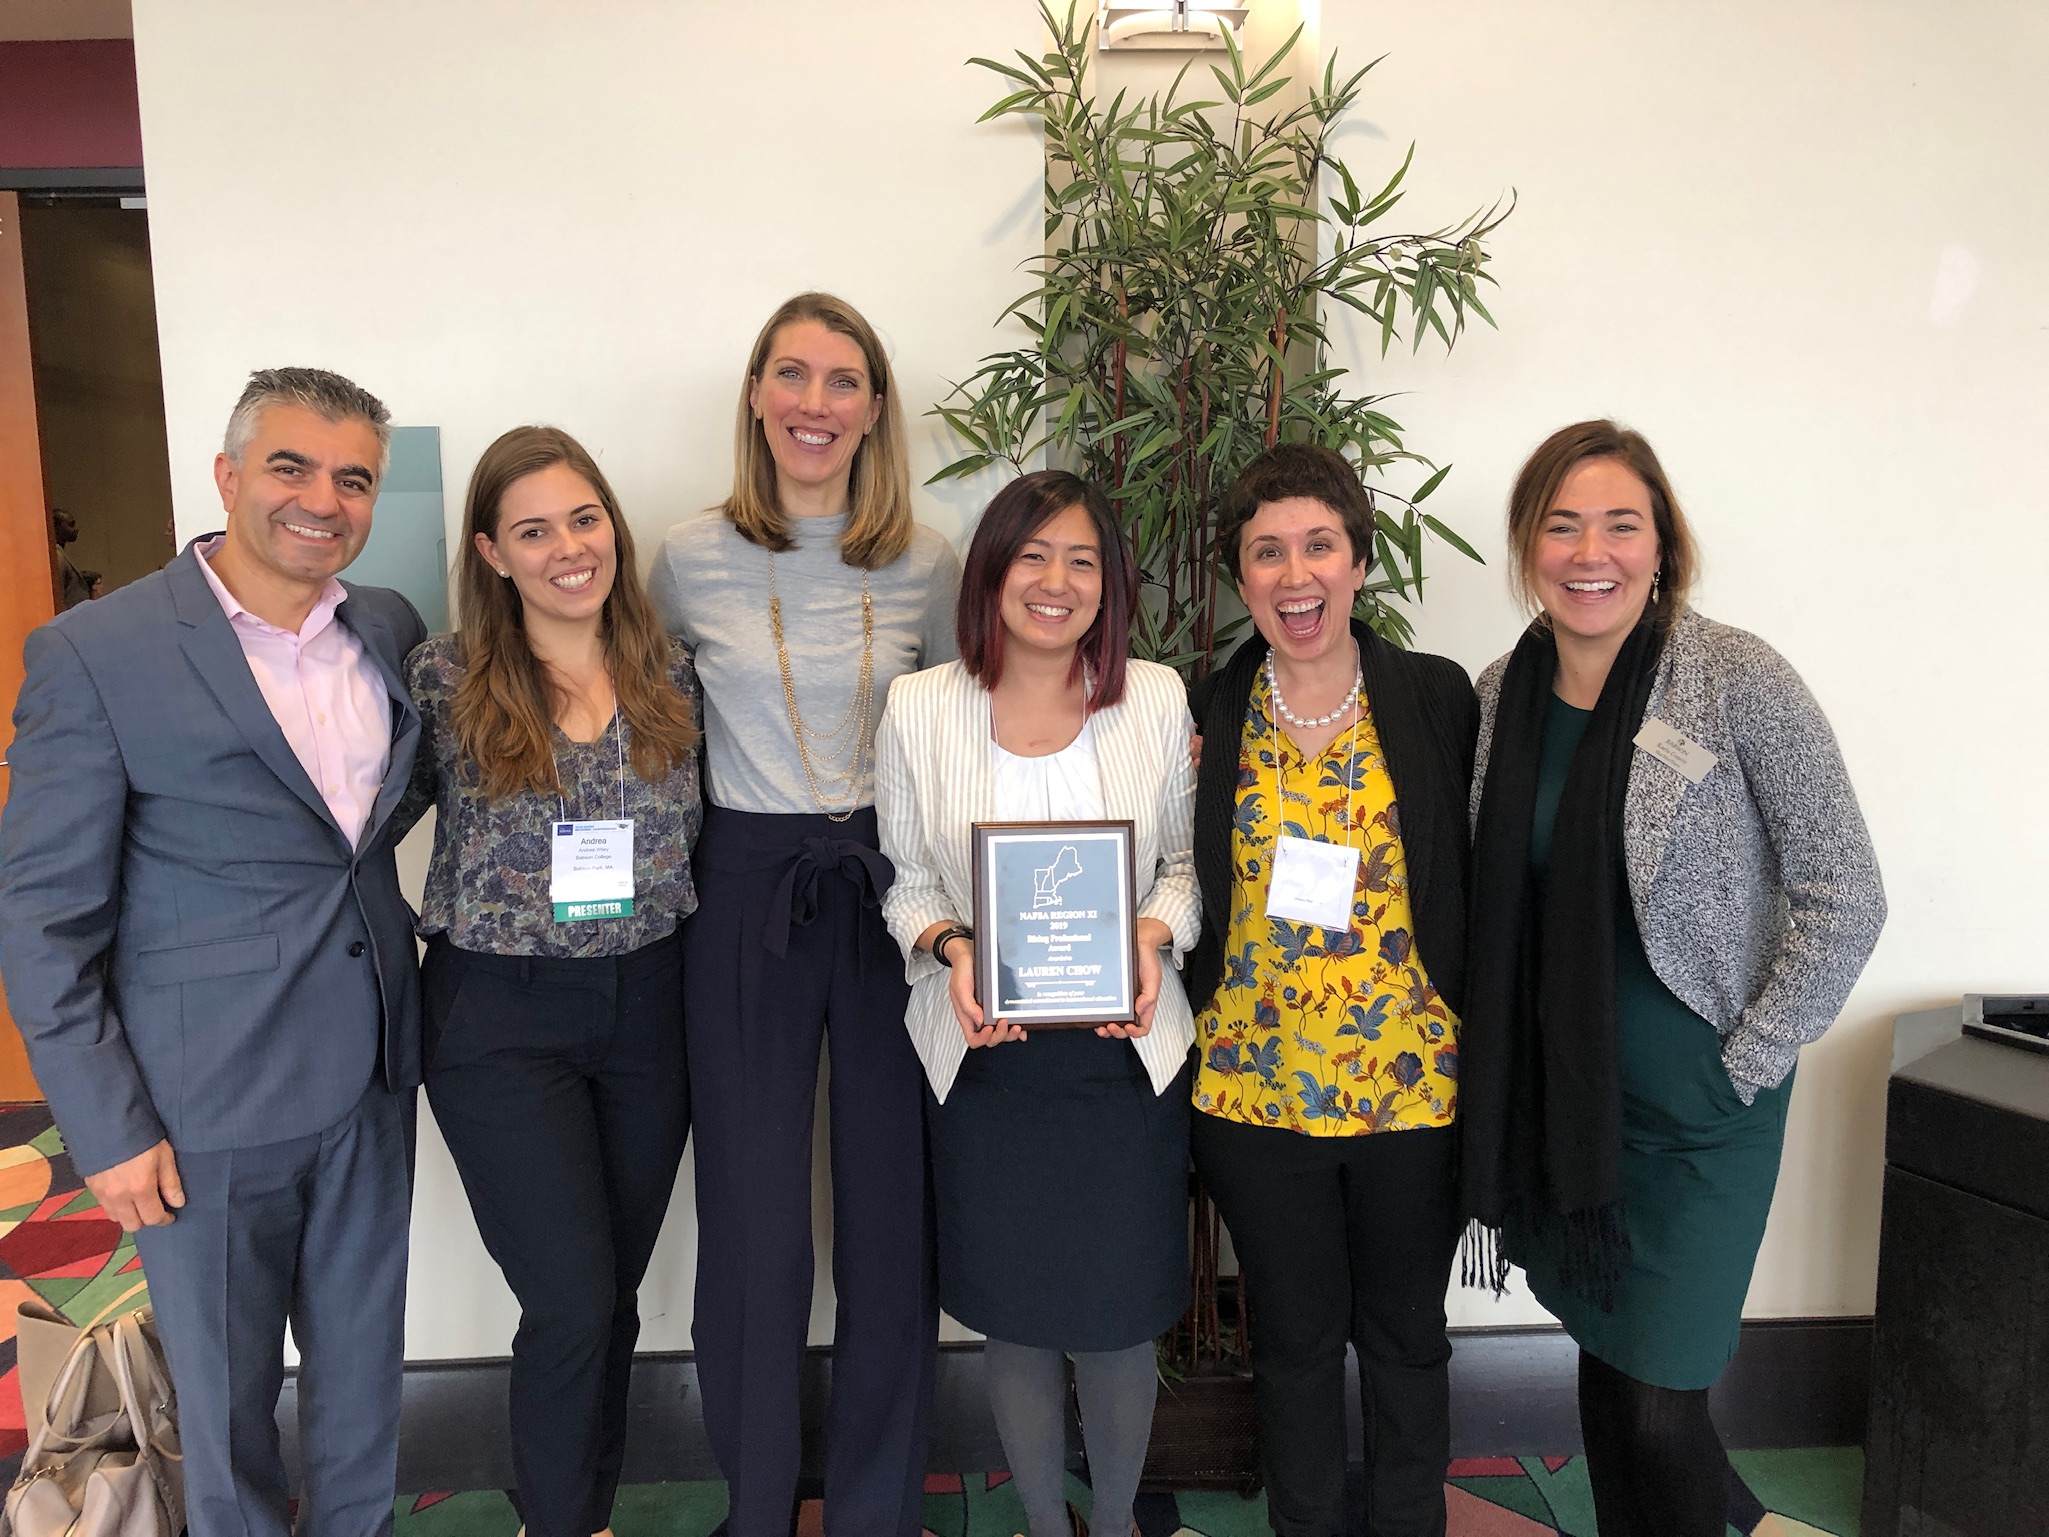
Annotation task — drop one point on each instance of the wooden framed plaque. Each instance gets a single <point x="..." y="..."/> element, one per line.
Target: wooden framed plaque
<point x="1056" y="923"/>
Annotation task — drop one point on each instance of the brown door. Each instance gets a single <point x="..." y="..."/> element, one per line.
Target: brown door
<point x="26" y="598"/>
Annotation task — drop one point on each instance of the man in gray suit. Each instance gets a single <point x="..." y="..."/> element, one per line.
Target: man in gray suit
<point x="205" y="947"/>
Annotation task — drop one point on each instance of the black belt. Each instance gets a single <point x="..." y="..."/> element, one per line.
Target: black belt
<point x="800" y="848"/>
<point x="796" y="894"/>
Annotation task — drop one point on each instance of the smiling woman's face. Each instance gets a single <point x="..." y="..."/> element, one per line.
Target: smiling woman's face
<point x="555" y="540"/>
<point x="1596" y="552"/>
<point x="1299" y="577"/>
<point x="1054" y="588"/>
<point x="815" y="403"/>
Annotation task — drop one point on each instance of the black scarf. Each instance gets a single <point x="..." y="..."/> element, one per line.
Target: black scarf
<point x="1540" y="1096"/>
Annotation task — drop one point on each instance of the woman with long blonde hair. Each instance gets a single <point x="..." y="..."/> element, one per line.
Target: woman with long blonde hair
<point x="803" y="597"/>
<point x="559" y="734"/>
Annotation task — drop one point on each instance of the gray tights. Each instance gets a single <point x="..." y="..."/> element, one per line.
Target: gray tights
<point x="1028" y="1391"/>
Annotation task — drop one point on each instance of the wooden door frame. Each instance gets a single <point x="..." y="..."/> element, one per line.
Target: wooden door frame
<point x="26" y="597"/>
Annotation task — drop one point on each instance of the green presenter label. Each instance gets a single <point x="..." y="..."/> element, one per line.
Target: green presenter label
<point x="577" y="912"/>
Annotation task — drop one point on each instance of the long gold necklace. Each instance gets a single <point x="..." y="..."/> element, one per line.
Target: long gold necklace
<point x="844" y="783"/>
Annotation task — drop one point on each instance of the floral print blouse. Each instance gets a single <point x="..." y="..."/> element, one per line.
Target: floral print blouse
<point x="487" y="884"/>
<point x="1333" y="1034"/>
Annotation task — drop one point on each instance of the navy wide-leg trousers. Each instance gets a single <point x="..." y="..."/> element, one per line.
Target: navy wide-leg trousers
<point x="787" y="951"/>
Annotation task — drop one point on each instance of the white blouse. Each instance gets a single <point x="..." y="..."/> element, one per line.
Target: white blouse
<point x="1064" y="786"/>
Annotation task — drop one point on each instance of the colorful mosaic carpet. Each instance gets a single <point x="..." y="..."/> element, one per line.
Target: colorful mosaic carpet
<point x="1812" y="1492"/>
<point x="55" y="1246"/>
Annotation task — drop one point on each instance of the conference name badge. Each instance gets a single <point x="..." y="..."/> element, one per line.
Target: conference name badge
<point x="1313" y="882"/>
<point x="1055" y="923"/>
<point x="591" y="874"/>
<point x="1675" y="749"/>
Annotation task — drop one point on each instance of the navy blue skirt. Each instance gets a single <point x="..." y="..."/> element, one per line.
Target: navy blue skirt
<point x="1061" y="1183"/>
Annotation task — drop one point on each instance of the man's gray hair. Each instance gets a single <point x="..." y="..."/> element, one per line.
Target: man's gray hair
<point x="323" y="393"/>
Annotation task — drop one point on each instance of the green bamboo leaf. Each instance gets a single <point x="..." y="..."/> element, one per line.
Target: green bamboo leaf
<point x="1430" y="485"/>
<point x="1443" y="532"/>
<point x="1015" y="102"/>
<point x="1151" y="446"/>
<point x="960" y="467"/>
<point x="1008" y="71"/>
<point x="1389" y="567"/>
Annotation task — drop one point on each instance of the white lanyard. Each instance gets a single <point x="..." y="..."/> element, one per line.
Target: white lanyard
<point x="1312" y="880"/>
<point x="591" y="863"/>
<point x="618" y="736"/>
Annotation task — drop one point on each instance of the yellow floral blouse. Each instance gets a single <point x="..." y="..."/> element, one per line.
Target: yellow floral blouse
<point x="1334" y="1035"/>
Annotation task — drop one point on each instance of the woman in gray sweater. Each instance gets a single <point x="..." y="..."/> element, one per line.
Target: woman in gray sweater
<point x="804" y="597"/>
<point x="1674" y="892"/>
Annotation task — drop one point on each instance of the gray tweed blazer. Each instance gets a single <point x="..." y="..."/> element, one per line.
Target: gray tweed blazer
<point x="1756" y="890"/>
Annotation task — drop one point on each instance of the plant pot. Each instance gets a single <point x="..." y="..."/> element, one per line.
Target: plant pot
<point x="1205" y="1435"/>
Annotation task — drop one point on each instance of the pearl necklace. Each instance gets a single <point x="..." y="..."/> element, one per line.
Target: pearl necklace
<point x="1273" y="685"/>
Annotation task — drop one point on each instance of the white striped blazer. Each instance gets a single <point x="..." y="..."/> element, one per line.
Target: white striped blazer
<point x="934" y="779"/>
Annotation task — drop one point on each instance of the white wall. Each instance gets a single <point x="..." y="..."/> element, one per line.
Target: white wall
<point x="1799" y="245"/>
<point x="1805" y="249"/>
<point x="508" y="212"/>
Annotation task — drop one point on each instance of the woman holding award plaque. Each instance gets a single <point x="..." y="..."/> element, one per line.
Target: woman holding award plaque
<point x="558" y="740"/>
<point x="1059" y="1156"/>
<point x="1331" y="851"/>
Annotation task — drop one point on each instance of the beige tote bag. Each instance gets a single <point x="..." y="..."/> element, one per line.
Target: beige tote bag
<point x="43" y="1338"/>
<point x="114" y="1472"/>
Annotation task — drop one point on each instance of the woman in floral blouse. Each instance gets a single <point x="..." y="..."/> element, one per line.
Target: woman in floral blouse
<point x="1331" y="850"/>
<point x="558" y="741"/>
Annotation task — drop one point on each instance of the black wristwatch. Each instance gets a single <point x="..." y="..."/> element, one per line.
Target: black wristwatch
<point x="939" y="941"/>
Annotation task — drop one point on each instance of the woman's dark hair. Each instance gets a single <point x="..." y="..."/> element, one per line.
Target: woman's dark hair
<point x="1296" y="469"/>
<point x="1016" y="515"/>
<point x="1537" y="486"/>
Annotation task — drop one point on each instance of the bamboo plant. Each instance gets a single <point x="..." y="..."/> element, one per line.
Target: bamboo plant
<point x="1194" y="251"/>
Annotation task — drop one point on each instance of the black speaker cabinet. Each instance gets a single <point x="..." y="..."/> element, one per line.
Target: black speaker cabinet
<point x="1958" y="1444"/>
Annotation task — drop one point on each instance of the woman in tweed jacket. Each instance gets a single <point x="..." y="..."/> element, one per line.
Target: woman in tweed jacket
<point x="1674" y="892"/>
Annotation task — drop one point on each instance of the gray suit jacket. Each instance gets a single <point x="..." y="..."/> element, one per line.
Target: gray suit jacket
<point x="1756" y="890"/>
<point x="190" y="946"/>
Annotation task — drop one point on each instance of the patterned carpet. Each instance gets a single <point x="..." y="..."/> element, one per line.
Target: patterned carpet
<point x="1814" y="1492"/>
<point x="54" y="1245"/>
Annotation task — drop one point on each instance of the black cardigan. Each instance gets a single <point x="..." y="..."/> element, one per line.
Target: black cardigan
<point x="1428" y="719"/>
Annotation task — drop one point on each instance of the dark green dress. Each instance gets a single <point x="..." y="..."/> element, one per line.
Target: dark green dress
<point x="1698" y="1165"/>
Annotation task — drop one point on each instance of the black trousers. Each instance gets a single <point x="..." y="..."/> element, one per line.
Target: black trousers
<point x="786" y="950"/>
<point x="559" y="1087"/>
<point x="1343" y="1239"/>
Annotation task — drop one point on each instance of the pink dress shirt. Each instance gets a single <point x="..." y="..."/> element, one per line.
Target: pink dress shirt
<point x="327" y="694"/>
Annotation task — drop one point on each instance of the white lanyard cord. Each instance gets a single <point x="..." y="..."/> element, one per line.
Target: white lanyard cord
<point x="1351" y="758"/>
<point x="619" y="735"/>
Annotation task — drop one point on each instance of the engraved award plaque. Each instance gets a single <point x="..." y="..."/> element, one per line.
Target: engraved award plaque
<point x="1055" y="923"/>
